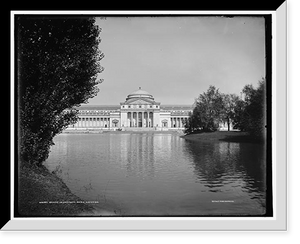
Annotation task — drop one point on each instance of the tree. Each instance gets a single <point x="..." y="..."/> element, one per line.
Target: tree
<point x="193" y="123"/>
<point x="58" y="61"/>
<point x="238" y="119"/>
<point x="206" y="115"/>
<point x="229" y="103"/>
<point x="249" y="113"/>
<point x="255" y="109"/>
<point x="210" y="108"/>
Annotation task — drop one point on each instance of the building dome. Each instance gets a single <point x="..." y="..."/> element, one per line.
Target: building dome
<point x="140" y="94"/>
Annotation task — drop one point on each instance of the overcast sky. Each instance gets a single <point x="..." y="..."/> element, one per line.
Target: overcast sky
<point x="177" y="58"/>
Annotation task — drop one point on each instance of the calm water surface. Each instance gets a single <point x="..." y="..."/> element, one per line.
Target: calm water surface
<point x="162" y="174"/>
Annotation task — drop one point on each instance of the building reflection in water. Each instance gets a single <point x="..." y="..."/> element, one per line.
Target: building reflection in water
<point x="145" y="155"/>
<point x="138" y="160"/>
<point x="157" y="173"/>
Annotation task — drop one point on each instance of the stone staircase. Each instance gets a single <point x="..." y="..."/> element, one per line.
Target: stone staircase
<point x="139" y="129"/>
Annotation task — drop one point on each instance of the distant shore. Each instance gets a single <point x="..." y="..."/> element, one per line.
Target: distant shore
<point x="121" y="132"/>
<point x="228" y="136"/>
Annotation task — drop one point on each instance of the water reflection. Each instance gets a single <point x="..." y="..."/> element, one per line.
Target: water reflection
<point x="234" y="168"/>
<point x="162" y="174"/>
<point x="139" y="160"/>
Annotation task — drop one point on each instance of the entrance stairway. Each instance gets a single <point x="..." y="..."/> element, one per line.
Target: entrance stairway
<point x="139" y="129"/>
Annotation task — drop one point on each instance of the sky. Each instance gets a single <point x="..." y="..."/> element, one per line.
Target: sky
<point x="177" y="58"/>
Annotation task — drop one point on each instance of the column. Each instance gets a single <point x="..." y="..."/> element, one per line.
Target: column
<point x="132" y="124"/>
<point x="142" y="119"/>
<point x="147" y="119"/>
<point x="136" y="119"/>
<point x="131" y="119"/>
<point x="128" y="119"/>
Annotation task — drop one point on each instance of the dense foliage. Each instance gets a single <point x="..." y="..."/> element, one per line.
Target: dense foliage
<point x="58" y="62"/>
<point x="252" y="110"/>
<point x="207" y="112"/>
<point x="246" y="114"/>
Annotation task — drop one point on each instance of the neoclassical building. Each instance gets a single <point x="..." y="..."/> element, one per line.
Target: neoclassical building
<point x="139" y="112"/>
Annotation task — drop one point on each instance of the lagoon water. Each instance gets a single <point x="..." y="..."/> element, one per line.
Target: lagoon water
<point x="153" y="174"/>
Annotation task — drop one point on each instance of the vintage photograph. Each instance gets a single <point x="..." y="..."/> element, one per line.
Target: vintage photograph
<point x="143" y="116"/>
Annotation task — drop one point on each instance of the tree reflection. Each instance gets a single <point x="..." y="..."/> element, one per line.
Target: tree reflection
<point x="226" y="163"/>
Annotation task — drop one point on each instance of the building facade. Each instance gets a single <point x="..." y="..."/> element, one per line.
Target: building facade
<point x="139" y="111"/>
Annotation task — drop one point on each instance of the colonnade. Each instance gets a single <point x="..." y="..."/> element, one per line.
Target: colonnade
<point x="178" y="122"/>
<point x="135" y="119"/>
<point x="97" y="122"/>
<point x="140" y="119"/>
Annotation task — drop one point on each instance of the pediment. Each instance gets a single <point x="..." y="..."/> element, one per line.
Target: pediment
<point x="139" y="102"/>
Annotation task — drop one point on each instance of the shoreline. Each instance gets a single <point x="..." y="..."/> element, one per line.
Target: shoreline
<point x="123" y="132"/>
<point x="42" y="193"/>
<point x="226" y="136"/>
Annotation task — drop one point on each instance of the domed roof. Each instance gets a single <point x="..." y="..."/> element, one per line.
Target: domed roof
<point x="140" y="93"/>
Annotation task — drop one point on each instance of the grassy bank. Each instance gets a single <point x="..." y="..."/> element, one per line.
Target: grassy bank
<point x="229" y="136"/>
<point x="42" y="193"/>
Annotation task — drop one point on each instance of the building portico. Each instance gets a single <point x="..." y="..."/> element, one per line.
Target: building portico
<point x="139" y="119"/>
